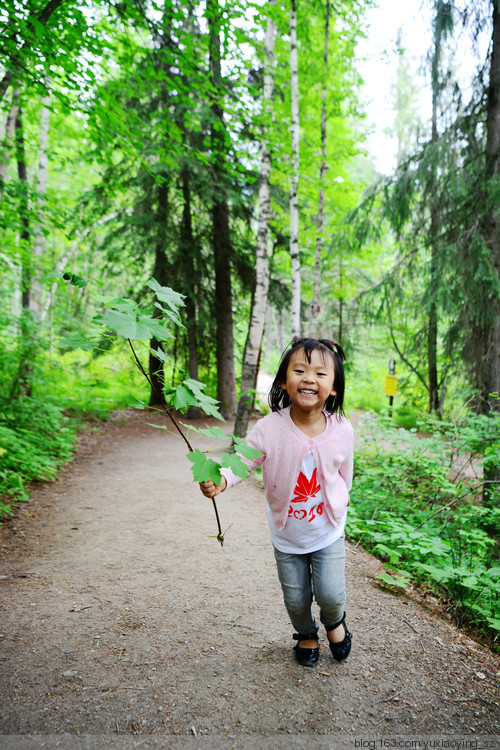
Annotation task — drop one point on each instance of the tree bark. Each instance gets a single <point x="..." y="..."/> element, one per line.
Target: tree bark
<point x="187" y="250"/>
<point x="253" y="345"/>
<point x="161" y="269"/>
<point x="39" y="243"/>
<point x="22" y="383"/>
<point x="315" y="307"/>
<point x="432" y="324"/>
<point x="489" y="366"/>
<point x="221" y="240"/>
<point x="294" y="179"/>
<point x="488" y="335"/>
<point x="160" y="273"/>
<point x="22" y="174"/>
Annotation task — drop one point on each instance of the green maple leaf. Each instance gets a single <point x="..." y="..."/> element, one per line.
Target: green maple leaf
<point x="173" y="316"/>
<point x="122" y="323"/>
<point x="165" y="294"/>
<point x="215" y="432"/>
<point x="124" y="305"/>
<point x="204" y="468"/>
<point x="206" y="403"/>
<point x="160" y="354"/>
<point x="78" y="341"/>
<point x="245" y="449"/>
<point x="235" y="463"/>
<point x="182" y="398"/>
<point x="130" y="324"/>
<point x="155" y="328"/>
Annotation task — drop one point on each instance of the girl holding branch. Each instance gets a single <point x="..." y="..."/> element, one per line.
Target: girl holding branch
<point x="306" y="447"/>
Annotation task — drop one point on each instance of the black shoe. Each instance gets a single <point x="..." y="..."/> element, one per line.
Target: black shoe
<point x="342" y="649"/>
<point x="306" y="656"/>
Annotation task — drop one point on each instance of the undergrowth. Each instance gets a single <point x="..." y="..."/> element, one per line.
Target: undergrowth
<point x="36" y="438"/>
<point x="416" y="503"/>
<point x="38" y="433"/>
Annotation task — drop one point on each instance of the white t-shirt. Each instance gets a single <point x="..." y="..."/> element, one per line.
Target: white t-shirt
<point x="308" y="527"/>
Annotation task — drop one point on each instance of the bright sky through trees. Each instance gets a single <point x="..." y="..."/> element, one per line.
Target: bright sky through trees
<point x="378" y="68"/>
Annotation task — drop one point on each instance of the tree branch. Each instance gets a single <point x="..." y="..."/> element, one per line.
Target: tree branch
<point x="452" y="502"/>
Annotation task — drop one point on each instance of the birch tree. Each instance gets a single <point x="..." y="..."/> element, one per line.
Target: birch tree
<point x="315" y="306"/>
<point x="8" y="141"/>
<point x="253" y="345"/>
<point x="294" y="178"/>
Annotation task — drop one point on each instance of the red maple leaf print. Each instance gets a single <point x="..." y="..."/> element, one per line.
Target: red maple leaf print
<point x="305" y="488"/>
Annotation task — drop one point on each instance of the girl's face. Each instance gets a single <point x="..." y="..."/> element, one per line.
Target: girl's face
<point x="309" y="383"/>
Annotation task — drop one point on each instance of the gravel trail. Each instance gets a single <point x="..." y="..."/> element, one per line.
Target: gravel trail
<point x="121" y="617"/>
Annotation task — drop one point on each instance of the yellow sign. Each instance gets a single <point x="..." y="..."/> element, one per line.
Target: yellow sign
<point x="391" y="385"/>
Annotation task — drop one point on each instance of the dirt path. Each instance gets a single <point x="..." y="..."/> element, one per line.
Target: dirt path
<point x="120" y="616"/>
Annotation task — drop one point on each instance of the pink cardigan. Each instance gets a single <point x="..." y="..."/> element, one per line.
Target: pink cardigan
<point x="284" y="446"/>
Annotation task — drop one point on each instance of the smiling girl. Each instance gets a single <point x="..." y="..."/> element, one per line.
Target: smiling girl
<point x="306" y="447"/>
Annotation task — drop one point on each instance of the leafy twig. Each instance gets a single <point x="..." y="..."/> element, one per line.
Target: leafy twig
<point x="220" y="535"/>
<point x="160" y="397"/>
<point x="126" y="319"/>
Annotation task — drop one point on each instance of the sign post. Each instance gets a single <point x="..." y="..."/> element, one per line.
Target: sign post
<point x="391" y="384"/>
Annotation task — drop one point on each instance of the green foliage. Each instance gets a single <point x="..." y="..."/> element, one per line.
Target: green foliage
<point x="192" y="393"/>
<point x="91" y="387"/>
<point x="204" y="469"/>
<point x="230" y="456"/>
<point x="36" y="438"/>
<point x="416" y="504"/>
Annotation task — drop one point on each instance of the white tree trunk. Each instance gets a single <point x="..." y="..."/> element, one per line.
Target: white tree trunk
<point x="259" y="301"/>
<point x="315" y="307"/>
<point x="39" y="243"/>
<point x="268" y="328"/>
<point x="9" y="129"/>
<point x="294" y="180"/>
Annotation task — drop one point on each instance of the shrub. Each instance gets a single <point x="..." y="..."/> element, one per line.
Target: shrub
<point x="416" y="503"/>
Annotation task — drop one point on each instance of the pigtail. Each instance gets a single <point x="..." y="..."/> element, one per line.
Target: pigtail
<point x="336" y="348"/>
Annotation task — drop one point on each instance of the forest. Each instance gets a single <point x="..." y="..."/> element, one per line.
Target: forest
<point x="185" y="186"/>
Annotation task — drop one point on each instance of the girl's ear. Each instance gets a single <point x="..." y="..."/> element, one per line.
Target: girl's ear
<point x="283" y="386"/>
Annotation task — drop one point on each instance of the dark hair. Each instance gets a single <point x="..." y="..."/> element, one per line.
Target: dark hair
<point x="279" y="399"/>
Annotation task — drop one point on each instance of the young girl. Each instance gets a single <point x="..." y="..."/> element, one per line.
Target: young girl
<point x="307" y="452"/>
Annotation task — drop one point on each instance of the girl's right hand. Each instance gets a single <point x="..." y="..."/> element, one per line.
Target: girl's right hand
<point x="210" y="489"/>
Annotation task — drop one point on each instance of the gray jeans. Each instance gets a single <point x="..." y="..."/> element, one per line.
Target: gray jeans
<point x="320" y="574"/>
